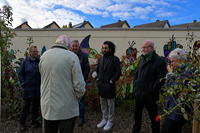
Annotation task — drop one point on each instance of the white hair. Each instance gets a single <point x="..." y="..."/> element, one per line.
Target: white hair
<point x="178" y="53"/>
<point x="150" y="42"/>
<point x="64" y="41"/>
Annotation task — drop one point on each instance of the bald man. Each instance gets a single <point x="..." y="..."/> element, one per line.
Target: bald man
<point x="150" y="71"/>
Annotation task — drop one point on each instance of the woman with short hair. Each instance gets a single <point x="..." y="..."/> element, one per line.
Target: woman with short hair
<point x="177" y="72"/>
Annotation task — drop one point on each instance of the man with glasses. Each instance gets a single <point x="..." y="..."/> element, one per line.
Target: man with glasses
<point x="85" y="67"/>
<point x="107" y="73"/>
<point x="29" y="77"/>
<point x="147" y="83"/>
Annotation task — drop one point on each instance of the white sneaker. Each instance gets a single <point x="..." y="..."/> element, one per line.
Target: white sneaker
<point x="102" y="123"/>
<point x="108" y="126"/>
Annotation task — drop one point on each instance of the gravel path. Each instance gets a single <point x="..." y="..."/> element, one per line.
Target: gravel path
<point x="122" y="124"/>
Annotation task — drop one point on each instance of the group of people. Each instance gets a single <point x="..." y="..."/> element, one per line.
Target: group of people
<point x="56" y="83"/>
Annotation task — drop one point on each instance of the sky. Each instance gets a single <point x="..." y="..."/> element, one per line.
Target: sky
<point x="40" y="13"/>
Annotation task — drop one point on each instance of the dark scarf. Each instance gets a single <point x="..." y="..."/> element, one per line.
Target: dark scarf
<point x="148" y="56"/>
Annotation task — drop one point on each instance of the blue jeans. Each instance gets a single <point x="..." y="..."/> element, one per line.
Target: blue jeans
<point x="82" y="109"/>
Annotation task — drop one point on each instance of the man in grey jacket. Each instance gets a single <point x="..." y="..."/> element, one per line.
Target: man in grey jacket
<point x="62" y="84"/>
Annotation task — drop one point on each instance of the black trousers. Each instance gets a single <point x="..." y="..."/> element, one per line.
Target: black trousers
<point x="82" y="109"/>
<point x="171" y="126"/>
<point x="34" y="104"/>
<point x="61" y="126"/>
<point x="152" y="109"/>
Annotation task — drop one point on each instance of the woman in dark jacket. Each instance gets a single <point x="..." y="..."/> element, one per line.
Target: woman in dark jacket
<point x="29" y="77"/>
<point x="174" y="121"/>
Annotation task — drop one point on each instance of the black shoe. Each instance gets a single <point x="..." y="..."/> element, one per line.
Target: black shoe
<point x="36" y="125"/>
<point x="81" y="123"/>
<point x="23" y="128"/>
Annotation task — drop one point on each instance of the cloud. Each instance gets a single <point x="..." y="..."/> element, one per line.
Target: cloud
<point x="118" y="7"/>
<point x="162" y="13"/>
<point x="42" y="12"/>
<point x="3" y="2"/>
<point x="142" y="11"/>
<point x="40" y="16"/>
<point x="148" y="2"/>
<point x="137" y="12"/>
<point x="155" y="2"/>
<point x="122" y="15"/>
<point x="94" y="7"/>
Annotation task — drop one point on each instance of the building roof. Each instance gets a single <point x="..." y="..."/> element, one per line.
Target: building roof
<point x="194" y="24"/>
<point x="49" y="25"/>
<point x="156" y="24"/>
<point x="25" y="23"/>
<point x="82" y="25"/>
<point x="118" y="24"/>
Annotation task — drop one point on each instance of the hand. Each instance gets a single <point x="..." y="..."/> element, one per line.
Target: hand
<point x="94" y="74"/>
<point x="169" y="68"/>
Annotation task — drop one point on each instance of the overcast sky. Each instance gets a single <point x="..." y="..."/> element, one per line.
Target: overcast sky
<point x="40" y="13"/>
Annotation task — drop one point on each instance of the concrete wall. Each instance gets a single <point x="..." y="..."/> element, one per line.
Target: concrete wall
<point x="120" y="37"/>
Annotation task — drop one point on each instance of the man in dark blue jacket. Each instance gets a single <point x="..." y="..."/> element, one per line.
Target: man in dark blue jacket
<point x="29" y="77"/>
<point x="85" y="67"/>
<point x="147" y="81"/>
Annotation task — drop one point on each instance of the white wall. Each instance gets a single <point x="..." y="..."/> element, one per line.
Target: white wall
<point x="120" y="37"/>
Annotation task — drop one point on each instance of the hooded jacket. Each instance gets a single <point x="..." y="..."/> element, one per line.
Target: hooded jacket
<point x="62" y="83"/>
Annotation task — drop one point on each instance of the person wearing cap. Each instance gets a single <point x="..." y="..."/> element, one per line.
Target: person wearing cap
<point x="62" y="85"/>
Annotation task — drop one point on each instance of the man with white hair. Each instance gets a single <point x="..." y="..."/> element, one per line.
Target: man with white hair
<point x="62" y="84"/>
<point x="147" y="83"/>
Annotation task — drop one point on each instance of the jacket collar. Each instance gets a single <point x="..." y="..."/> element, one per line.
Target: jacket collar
<point x="31" y="59"/>
<point x="148" y="56"/>
<point x="145" y="61"/>
<point x="58" y="46"/>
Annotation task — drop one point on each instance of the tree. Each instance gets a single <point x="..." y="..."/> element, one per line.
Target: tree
<point x="8" y="74"/>
<point x="186" y="89"/>
<point x="64" y="26"/>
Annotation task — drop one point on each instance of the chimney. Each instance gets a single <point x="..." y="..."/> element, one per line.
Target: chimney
<point x="194" y="21"/>
<point x="70" y="25"/>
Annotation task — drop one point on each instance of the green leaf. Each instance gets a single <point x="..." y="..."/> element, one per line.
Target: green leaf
<point x="131" y="88"/>
<point x="185" y="116"/>
<point x="182" y="110"/>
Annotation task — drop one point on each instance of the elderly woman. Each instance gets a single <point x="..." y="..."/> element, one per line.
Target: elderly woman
<point x="177" y="72"/>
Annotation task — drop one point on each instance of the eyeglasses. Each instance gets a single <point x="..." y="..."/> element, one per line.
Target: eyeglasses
<point x="34" y="51"/>
<point x="146" y="47"/>
<point x="105" y="48"/>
